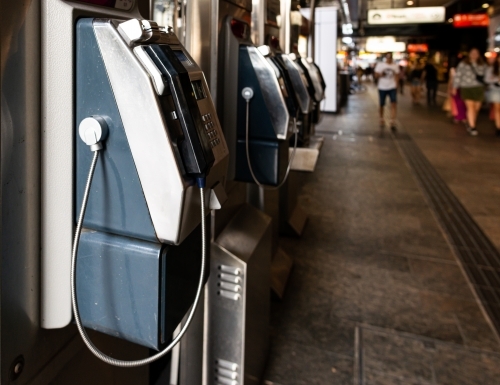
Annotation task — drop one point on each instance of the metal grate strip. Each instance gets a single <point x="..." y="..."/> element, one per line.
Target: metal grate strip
<point x="477" y="256"/>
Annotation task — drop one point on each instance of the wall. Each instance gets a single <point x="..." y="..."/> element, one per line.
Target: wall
<point x="325" y="51"/>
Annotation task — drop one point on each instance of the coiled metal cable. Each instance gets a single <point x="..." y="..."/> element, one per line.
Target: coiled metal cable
<point x="247" y="146"/>
<point x="81" y="329"/>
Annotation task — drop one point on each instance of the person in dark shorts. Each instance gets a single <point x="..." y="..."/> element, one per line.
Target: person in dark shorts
<point x="386" y="74"/>
<point x="430" y="76"/>
<point x="469" y="78"/>
<point x="416" y="83"/>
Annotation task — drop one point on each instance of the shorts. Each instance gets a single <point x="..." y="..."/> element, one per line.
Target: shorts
<point x="475" y="94"/>
<point x="384" y="93"/>
<point x="494" y="95"/>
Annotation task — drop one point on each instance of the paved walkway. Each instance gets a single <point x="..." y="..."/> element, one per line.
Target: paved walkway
<point x="376" y="295"/>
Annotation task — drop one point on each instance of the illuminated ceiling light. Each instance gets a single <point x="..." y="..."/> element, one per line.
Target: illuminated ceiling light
<point x="485" y="5"/>
<point x="347" y="29"/>
<point x="409" y="2"/>
<point x="497" y="49"/>
<point x="450" y="20"/>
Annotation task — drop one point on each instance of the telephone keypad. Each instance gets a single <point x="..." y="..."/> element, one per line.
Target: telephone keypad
<point x="210" y="129"/>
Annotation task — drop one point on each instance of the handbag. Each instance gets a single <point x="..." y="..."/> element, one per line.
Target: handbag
<point x="447" y="104"/>
<point x="479" y="78"/>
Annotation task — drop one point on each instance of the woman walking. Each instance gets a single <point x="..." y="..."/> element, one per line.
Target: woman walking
<point x="469" y="78"/>
<point x="492" y="78"/>
<point x="416" y="83"/>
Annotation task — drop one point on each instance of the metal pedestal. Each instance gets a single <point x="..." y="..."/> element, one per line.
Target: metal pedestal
<point x="238" y="300"/>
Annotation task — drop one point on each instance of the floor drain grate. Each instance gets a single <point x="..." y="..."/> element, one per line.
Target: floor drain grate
<point x="478" y="257"/>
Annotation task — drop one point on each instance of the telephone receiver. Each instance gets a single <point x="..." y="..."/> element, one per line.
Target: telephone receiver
<point x="179" y="101"/>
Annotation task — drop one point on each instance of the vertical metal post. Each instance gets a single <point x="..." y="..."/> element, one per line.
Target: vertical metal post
<point x="312" y="28"/>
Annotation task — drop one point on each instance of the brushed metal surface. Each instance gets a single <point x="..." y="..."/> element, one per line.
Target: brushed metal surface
<point x="298" y="220"/>
<point x="319" y="92"/>
<point x="238" y="328"/>
<point x="281" y="267"/>
<point x="173" y="203"/>
<point x="285" y="27"/>
<point x="305" y="159"/>
<point x="57" y="153"/>
<point x="227" y="105"/>
<point x="146" y="132"/>
<point x="271" y="92"/>
<point x="259" y="22"/>
<point x="299" y="83"/>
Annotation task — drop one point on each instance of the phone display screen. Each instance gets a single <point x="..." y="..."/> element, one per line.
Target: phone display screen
<point x="198" y="90"/>
<point x="182" y="57"/>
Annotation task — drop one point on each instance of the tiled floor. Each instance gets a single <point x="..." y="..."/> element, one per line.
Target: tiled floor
<point x="373" y="259"/>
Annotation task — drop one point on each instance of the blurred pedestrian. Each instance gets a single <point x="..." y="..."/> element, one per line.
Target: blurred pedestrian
<point x="359" y="74"/>
<point x="492" y="78"/>
<point x="430" y="75"/>
<point x="469" y="78"/>
<point x="458" y="110"/>
<point x="416" y="82"/>
<point x="401" y="80"/>
<point x="386" y="75"/>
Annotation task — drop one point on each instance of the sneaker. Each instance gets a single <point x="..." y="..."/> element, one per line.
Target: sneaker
<point x="472" y="131"/>
<point x="393" y="127"/>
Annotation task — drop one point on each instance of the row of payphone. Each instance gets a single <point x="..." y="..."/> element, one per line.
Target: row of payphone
<point x="164" y="138"/>
<point x="116" y="155"/>
<point x="156" y="105"/>
<point x="151" y="158"/>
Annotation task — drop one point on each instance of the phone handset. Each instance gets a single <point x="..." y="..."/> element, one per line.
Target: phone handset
<point x="194" y="145"/>
<point x="248" y="94"/>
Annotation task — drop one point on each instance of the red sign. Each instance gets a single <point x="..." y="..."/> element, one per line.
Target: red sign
<point x="417" y="48"/>
<point x="471" y="20"/>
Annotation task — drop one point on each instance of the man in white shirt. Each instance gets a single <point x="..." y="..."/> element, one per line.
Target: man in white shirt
<point x="386" y="74"/>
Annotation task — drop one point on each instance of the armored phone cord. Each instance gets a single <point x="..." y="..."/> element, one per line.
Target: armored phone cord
<point x="81" y="329"/>
<point x="247" y="146"/>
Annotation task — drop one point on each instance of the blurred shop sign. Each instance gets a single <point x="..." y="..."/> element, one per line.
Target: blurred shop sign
<point x="417" y="48"/>
<point x="465" y="20"/>
<point x="384" y="44"/>
<point x="406" y="15"/>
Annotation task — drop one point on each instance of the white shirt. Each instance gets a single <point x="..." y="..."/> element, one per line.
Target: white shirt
<point x="491" y="79"/>
<point x="387" y="79"/>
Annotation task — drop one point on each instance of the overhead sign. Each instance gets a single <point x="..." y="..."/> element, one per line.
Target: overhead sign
<point x="471" y="20"/>
<point x="384" y="44"/>
<point x="417" y="48"/>
<point x="414" y="15"/>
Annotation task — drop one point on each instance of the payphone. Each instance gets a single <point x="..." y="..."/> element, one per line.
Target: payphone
<point x="256" y="119"/>
<point x="295" y="84"/>
<point x="142" y="102"/>
<point x="316" y="83"/>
